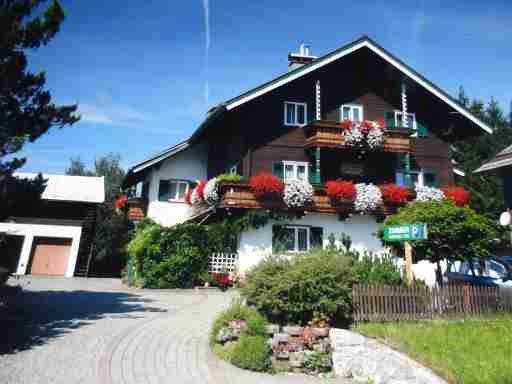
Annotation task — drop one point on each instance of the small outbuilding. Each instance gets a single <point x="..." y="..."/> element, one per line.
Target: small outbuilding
<point x="53" y="236"/>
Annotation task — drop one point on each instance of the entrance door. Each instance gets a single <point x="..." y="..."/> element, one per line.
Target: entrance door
<point x="50" y="256"/>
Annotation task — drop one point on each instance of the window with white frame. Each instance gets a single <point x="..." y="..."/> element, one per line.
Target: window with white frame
<point x="295" y="113"/>
<point x="410" y="117"/>
<point x="294" y="238"/>
<point x="172" y="190"/>
<point x="353" y="112"/>
<point x="295" y="170"/>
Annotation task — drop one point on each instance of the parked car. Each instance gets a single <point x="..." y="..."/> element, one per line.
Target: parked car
<point x="491" y="271"/>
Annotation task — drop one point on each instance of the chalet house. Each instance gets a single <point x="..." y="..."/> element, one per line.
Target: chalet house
<point x="291" y="127"/>
<point x="53" y="236"/>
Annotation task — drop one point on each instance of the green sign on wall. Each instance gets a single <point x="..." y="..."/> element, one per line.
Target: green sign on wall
<point x="407" y="232"/>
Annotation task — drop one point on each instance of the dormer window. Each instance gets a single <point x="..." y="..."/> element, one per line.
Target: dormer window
<point x="295" y="114"/>
<point x="353" y="112"/>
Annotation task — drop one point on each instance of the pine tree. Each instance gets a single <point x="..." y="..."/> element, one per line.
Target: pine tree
<point x="26" y="108"/>
<point x="486" y="189"/>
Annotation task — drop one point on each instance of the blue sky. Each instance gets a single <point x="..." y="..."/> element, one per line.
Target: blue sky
<point x="144" y="77"/>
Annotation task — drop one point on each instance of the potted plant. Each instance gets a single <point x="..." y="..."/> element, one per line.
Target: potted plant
<point x="341" y="193"/>
<point x="266" y="186"/>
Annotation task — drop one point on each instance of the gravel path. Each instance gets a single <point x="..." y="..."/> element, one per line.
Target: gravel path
<point x="98" y="331"/>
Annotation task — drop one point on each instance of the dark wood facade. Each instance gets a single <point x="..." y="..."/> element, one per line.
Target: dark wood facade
<point x="253" y="135"/>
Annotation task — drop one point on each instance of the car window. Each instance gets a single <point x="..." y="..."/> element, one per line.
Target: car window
<point x="495" y="270"/>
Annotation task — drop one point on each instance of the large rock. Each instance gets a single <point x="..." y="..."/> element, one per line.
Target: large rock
<point x="293" y="330"/>
<point x="297" y="359"/>
<point x="281" y="338"/>
<point x="320" y="332"/>
<point x="365" y="359"/>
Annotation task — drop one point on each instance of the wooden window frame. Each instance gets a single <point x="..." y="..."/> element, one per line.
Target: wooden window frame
<point x="295" y="165"/>
<point x="351" y="113"/>
<point x="295" y="122"/>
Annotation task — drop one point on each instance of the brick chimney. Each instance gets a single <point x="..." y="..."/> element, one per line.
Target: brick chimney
<point x="303" y="57"/>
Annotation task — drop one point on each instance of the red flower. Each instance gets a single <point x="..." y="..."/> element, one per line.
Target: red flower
<point x="340" y="190"/>
<point x="120" y="202"/>
<point x="266" y="184"/>
<point x="393" y="193"/>
<point x="346" y="125"/>
<point x="200" y="189"/>
<point x="382" y="123"/>
<point x="459" y="195"/>
<point x="223" y="279"/>
<point x="188" y="195"/>
<point x="366" y="126"/>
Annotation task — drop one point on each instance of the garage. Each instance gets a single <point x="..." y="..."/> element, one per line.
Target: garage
<point x="50" y="256"/>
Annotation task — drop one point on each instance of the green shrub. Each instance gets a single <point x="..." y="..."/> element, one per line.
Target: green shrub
<point x="230" y="178"/>
<point x="237" y="311"/>
<point x="318" y="362"/>
<point x="294" y="289"/>
<point x="174" y="257"/>
<point x="252" y="352"/>
<point x="377" y="270"/>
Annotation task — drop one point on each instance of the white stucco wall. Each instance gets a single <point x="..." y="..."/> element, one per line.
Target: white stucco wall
<point x="190" y="164"/>
<point x="255" y="244"/>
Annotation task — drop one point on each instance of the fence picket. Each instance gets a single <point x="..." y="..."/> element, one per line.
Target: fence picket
<point x="388" y="303"/>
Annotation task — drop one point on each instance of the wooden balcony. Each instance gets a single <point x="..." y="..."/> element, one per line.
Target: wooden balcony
<point x="329" y="134"/>
<point x="239" y="195"/>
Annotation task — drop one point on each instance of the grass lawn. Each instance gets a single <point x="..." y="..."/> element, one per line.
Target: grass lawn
<point x="470" y="351"/>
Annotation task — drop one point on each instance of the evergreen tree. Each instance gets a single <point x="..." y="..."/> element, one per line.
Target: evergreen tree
<point x="486" y="190"/>
<point x="26" y="108"/>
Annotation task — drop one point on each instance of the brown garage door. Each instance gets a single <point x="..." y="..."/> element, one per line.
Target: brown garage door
<point x="50" y="256"/>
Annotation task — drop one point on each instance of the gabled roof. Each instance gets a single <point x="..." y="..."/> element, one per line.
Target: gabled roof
<point x="363" y="42"/>
<point x="87" y="189"/>
<point x="501" y="160"/>
<point x="165" y="154"/>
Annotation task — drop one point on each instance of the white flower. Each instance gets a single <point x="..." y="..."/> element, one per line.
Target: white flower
<point x="375" y="138"/>
<point x="354" y="137"/>
<point x="297" y="193"/>
<point x="194" y="198"/>
<point x="428" y="194"/>
<point x="211" y="192"/>
<point x="368" y="197"/>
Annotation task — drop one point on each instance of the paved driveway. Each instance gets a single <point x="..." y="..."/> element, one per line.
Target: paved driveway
<point x="97" y="331"/>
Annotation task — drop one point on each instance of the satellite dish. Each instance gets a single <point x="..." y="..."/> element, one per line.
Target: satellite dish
<point x="505" y="218"/>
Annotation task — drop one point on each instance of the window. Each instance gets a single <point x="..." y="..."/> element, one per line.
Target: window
<point x="419" y="177"/>
<point x="411" y="120"/>
<point x="172" y="190"/>
<point x="290" y="238"/>
<point x="351" y="112"/>
<point x="294" y="170"/>
<point x="296" y="238"/>
<point x="295" y="113"/>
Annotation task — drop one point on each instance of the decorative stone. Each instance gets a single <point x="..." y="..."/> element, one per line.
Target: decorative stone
<point x="297" y="359"/>
<point x="225" y="334"/>
<point x="293" y="330"/>
<point x="322" y="346"/>
<point x="320" y="332"/>
<point x="280" y="338"/>
<point x="296" y="343"/>
<point x="283" y="354"/>
<point x="272" y="329"/>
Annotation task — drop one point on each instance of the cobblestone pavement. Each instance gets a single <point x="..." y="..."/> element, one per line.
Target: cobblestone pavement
<point x="97" y="331"/>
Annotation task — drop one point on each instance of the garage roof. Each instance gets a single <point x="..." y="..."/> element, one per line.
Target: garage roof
<point x="88" y="189"/>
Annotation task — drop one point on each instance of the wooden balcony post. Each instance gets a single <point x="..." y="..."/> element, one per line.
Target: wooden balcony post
<point x="318" y="178"/>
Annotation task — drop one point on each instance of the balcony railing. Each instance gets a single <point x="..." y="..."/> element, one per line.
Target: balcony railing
<point x="239" y="195"/>
<point x="329" y="134"/>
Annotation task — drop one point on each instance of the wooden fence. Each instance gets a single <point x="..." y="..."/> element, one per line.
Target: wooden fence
<point x="387" y="303"/>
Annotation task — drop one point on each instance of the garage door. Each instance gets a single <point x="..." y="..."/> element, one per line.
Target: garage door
<point x="50" y="256"/>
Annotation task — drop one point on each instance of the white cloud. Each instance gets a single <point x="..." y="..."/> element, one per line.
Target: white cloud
<point x="122" y="115"/>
